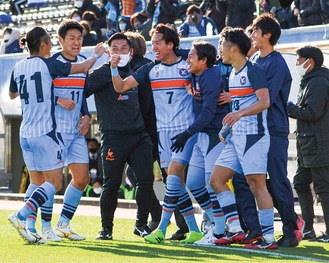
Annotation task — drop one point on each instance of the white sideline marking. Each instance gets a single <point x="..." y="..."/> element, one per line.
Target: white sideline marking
<point x="264" y="252"/>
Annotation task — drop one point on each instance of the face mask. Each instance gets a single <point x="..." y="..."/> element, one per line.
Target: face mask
<point x="93" y="150"/>
<point x="124" y="60"/>
<point x="97" y="190"/>
<point x="300" y="68"/>
<point x="6" y="38"/>
<point x="78" y="4"/>
<point x="122" y="26"/>
<point x="76" y="18"/>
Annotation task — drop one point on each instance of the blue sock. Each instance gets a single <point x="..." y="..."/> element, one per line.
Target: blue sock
<point x="266" y="219"/>
<point x="72" y="198"/>
<point x="31" y="219"/>
<point x="186" y="209"/>
<point x="219" y="216"/>
<point x="47" y="213"/>
<point x="170" y="201"/>
<point x="37" y="199"/>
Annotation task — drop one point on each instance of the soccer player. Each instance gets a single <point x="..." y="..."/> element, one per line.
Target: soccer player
<point x="266" y="32"/>
<point x="248" y="144"/>
<point x="174" y="113"/>
<point x="41" y="144"/>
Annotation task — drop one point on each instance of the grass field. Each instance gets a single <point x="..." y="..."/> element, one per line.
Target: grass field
<point x="129" y="248"/>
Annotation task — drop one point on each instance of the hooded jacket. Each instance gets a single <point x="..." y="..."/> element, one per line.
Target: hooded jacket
<point x="12" y="46"/>
<point x="312" y="114"/>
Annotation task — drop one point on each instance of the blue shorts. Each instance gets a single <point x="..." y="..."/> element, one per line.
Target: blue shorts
<point x="245" y="154"/>
<point x="76" y="150"/>
<point x="166" y="155"/>
<point x="43" y="153"/>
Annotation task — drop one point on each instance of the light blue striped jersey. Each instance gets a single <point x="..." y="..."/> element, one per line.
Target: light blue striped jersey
<point x="242" y="87"/>
<point x="173" y="105"/>
<point x="32" y="77"/>
<point x="69" y="87"/>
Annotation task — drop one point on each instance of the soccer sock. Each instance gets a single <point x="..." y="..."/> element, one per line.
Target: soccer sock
<point x="266" y="219"/>
<point x="47" y="213"/>
<point x="186" y="209"/>
<point x="170" y="201"/>
<point x="219" y="216"/>
<point x="37" y="199"/>
<point x="31" y="219"/>
<point x="227" y="202"/>
<point x="72" y="198"/>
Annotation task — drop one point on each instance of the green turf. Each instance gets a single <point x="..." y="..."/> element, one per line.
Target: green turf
<point x="129" y="248"/>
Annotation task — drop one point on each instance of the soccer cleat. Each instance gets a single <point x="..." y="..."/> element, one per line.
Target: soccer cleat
<point x="285" y="241"/>
<point x="156" y="237"/>
<point x="231" y="237"/>
<point x="142" y="231"/>
<point x="20" y="227"/>
<point x="49" y="235"/>
<point x="324" y="238"/>
<point x="262" y="245"/>
<point x="38" y="239"/>
<point x="177" y="236"/>
<point x="104" y="235"/>
<point x="309" y="234"/>
<point x="68" y="232"/>
<point x="252" y="237"/>
<point x="208" y="239"/>
<point x="300" y="231"/>
<point x="192" y="237"/>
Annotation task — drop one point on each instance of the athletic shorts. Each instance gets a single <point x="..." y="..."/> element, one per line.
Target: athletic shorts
<point x="43" y="153"/>
<point x="245" y="154"/>
<point x="76" y="150"/>
<point x="166" y="155"/>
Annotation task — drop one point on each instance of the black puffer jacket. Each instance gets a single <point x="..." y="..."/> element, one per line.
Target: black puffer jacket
<point x="312" y="114"/>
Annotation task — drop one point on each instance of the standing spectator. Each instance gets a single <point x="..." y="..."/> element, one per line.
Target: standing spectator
<point x="312" y="114"/>
<point x="87" y="5"/>
<point x="239" y="13"/>
<point x="94" y="24"/>
<point x="76" y="15"/>
<point x="162" y="11"/>
<point x="142" y="24"/>
<point x="266" y="33"/>
<point x="196" y="24"/>
<point x="208" y="7"/>
<point x="124" y="24"/>
<point x="10" y="41"/>
<point x="308" y="12"/>
<point x="89" y="36"/>
<point x="95" y="159"/>
<point x="123" y="139"/>
<point x="130" y="7"/>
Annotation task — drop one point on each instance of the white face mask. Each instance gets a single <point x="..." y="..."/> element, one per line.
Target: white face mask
<point x="300" y="68"/>
<point x="6" y="38"/>
<point x="124" y="60"/>
<point x="122" y="26"/>
<point x="76" y="18"/>
<point x="97" y="190"/>
<point x="78" y="4"/>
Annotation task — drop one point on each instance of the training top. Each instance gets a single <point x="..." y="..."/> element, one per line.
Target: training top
<point x="173" y="105"/>
<point x="242" y="87"/>
<point x="69" y="87"/>
<point x="32" y="77"/>
<point x="279" y="84"/>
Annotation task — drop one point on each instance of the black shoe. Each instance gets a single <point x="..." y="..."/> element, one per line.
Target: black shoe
<point x="153" y="225"/>
<point x="142" y="231"/>
<point x="324" y="238"/>
<point x="253" y="236"/>
<point x="177" y="236"/>
<point x="285" y="241"/>
<point x="309" y="234"/>
<point x="104" y="235"/>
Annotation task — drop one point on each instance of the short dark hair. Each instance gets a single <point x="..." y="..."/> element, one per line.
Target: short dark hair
<point x="312" y="52"/>
<point x="238" y="37"/>
<point x="169" y="34"/>
<point x="90" y="16"/>
<point x="34" y="38"/>
<point x="85" y="25"/>
<point x="67" y="25"/>
<point x="117" y="36"/>
<point x="206" y="50"/>
<point x="268" y="24"/>
<point x="138" y="43"/>
<point x="193" y="8"/>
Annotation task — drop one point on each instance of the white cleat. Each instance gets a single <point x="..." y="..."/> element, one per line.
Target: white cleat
<point x="38" y="239"/>
<point x="209" y="238"/>
<point x="50" y="236"/>
<point x="20" y="227"/>
<point x="68" y="232"/>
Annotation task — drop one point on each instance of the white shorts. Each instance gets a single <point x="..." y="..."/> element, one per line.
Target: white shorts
<point x="245" y="154"/>
<point x="76" y="150"/>
<point x="43" y="153"/>
<point x="166" y="155"/>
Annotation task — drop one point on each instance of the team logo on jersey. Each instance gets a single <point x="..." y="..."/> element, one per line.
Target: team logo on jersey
<point x="110" y="155"/>
<point x="183" y="72"/>
<point x="243" y="80"/>
<point x="123" y="97"/>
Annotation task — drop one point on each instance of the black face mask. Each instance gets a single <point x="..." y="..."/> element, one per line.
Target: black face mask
<point x="93" y="150"/>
